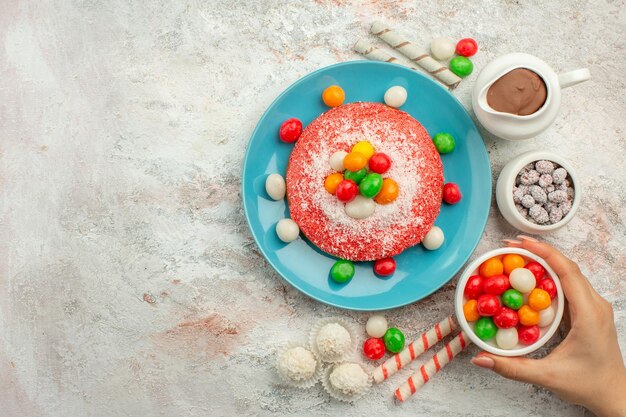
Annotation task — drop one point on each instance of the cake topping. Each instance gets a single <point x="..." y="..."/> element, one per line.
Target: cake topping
<point x="360" y="208"/>
<point x="336" y="161"/>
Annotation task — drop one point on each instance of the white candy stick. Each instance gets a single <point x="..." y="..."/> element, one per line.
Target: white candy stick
<point x="371" y="51"/>
<point x="434" y="365"/>
<point x="414" y="349"/>
<point x="415" y="54"/>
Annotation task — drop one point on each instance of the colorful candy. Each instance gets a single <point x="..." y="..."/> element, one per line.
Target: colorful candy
<point x="474" y="287"/>
<point x="290" y="130"/>
<point x="360" y="207"/>
<point x="356" y="176"/>
<point x="346" y="191"/>
<point x="287" y="230"/>
<point x="528" y="316"/>
<point x="379" y="163"/>
<point x="546" y="316"/>
<point x="371" y="185"/>
<point x="336" y="161"/>
<point x="365" y="148"/>
<point x="444" y="142"/>
<point x="539" y="299"/>
<point x="385" y="267"/>
<point x="470" y="310"/>
<point x="394" y="340"/>
<point x="354" y="161"/>
<point x="491" y="267"/>
<point x="376" y="326"/>
<point x="488" y="305"/>
<point x="538" y="271"/>
<point x="275" y="186"/>
<point x="522" y="280"/>
<point x="374" y="348"/>
<point x="466" y="47"/>
<point x="388" y="192"/>
<point x="507" y="338"/>
<point x="442" y="48"/>
<point x="485" y="329"/>
<point x="333" y="96"/>
<point x="505" y="318"/>
<point x="332" y="181"/>
<point x="528" y="334"/>
<point x="451" y="193"/>
<point x="395" y="96"/>
<point x="342" y="271"/>
<point x="512" y="299"/>
<point x="548" y="285"/>
<point x="496" y="284"/>
<point x="461" y="66"/>
<point x="512" y="261"/>
<point x="433" y="239"/>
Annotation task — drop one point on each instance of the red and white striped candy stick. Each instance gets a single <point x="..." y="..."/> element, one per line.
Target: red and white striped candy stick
<point x="414" y="349"/>
<point x="434" y="365"/>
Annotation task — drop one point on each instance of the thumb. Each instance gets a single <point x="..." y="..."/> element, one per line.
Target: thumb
<point x="518" y="369"/>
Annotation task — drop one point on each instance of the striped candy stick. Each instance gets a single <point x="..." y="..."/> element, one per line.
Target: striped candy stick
<point x="434" y="365"/>
<point x="371" y="51"/>
<point x="414" y="349"/>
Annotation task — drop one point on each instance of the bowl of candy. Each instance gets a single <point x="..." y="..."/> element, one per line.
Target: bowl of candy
<point x="509" y="302"/>
<point x="538" y="192"/>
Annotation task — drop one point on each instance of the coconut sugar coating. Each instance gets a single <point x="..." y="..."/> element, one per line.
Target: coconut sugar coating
<point x="333" y="341"/>
<point x="349" y="379"/>
<point x="416" y="168"/>
<point x="297" y="364"/>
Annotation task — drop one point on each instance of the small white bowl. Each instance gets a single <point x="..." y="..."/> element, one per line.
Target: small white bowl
<point x="490" y="346"/>
<point x="504" y="192"/>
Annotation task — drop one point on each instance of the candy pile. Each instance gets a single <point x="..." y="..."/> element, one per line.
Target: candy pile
<point x="444" y="49"/>
<point x="543" y="192"/>
<point x="509" y="300"/>
<point x="381" y="337"/>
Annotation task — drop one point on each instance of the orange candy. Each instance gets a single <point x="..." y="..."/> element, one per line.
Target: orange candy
<point x="332" y="181"/>
<point x="388" y="192"/>
<point x="354" y="161"/>
<point x="511" y="262"/>
<point x="333" y="96"/>
<point x="491" y="267"/>
<point x="528" y="316"/>
<point x="539" y="299"/>
<point x="470" y="310"/>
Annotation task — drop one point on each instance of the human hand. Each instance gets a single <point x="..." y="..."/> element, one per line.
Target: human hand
<point x="587" y="367"/>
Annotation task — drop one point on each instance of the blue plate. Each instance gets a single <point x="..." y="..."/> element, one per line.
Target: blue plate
<point x="419" y="272"/>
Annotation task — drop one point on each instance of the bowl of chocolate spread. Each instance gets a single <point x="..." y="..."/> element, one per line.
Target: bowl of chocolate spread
<point x="517" y="96"/>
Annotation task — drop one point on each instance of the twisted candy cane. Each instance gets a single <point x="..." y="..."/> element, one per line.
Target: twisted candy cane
<point x="415" y="54"/>
<point x="434" y="365"/>
<point x="414" y="349"/>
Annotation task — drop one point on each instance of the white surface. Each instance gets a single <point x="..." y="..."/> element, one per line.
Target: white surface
<point x="129" y="283"/>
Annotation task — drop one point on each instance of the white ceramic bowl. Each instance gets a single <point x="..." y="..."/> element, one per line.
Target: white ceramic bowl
<point x="504" y="192"/>
<point x="490" y="346"/>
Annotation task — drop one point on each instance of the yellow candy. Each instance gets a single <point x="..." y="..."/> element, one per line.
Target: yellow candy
<point x="365" y="148"/>
<point x="332" y="181"/>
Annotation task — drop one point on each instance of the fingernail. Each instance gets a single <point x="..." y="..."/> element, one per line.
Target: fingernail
<point x="528" y="238"/>
<point x="512" y="241"/>
<point x="483" y="362"/>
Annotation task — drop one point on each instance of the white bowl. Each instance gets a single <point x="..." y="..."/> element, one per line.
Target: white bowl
<point x="545" y="333"/>
<point x="504" y="192"/>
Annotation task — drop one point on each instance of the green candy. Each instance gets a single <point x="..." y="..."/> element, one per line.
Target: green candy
<point x="342" y="271"/>
<point x="356" y="176"/>
<point x="485" y="329"/>
<point x="512" y="299"/>
<point x="394" y="340"/>
<point x="371" y="185"/>
<point x="461" y="66"/>
<point x="444" y="142"/>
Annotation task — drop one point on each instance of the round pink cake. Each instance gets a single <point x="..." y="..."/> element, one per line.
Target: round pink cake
<point x="415" y="166"/>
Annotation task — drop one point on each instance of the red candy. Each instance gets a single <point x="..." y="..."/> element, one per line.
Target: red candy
<point x="290" y="130"/>
<point x="506" y="318"/>
<point x="379" y="163"/>
<point x="488" y="305"/>
<point x="528" y="335"/>
<point x="496" y="284"/>
<point x="474" y="287"/>
<point x="385" y="267"/>
<point x="538" y="271"/>
<point x="374" y="348"/>
<point x="451" y="193"/>
<point x="466" y="47"/>
<point x="346" y="191"/>
<point x="548" y="285"/>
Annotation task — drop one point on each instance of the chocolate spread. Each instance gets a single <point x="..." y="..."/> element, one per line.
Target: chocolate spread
<point x="520" y="92"/>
